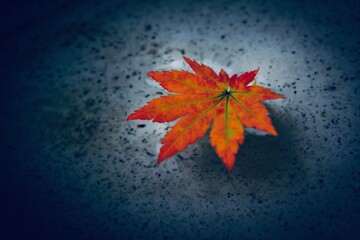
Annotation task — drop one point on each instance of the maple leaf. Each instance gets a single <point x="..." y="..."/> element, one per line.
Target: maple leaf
<point x="201" y="98"/>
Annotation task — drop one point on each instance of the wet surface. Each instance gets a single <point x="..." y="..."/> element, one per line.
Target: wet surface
<point x="72" y="167"/>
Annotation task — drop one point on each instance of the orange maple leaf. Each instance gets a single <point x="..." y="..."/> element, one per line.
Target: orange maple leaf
<point x="204" y="97"/>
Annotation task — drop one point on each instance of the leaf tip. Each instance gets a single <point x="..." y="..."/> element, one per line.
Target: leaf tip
<point x="229" y="165"/>
<point x="188" y="60"/>
<point x="151" y="74"/>
<point x="161" y="158"/>
<point x="130" y="117"/>
<point x="273" y="132"/>
<point x="256" y="71"/>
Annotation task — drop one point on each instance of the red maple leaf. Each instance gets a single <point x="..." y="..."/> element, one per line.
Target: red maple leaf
<point x="201" y="98"/>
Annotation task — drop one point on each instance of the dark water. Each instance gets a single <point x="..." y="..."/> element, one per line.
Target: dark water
<point x="73" y="168"/>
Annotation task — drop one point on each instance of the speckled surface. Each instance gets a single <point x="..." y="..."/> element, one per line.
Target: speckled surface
<point x="73" y="168"/>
